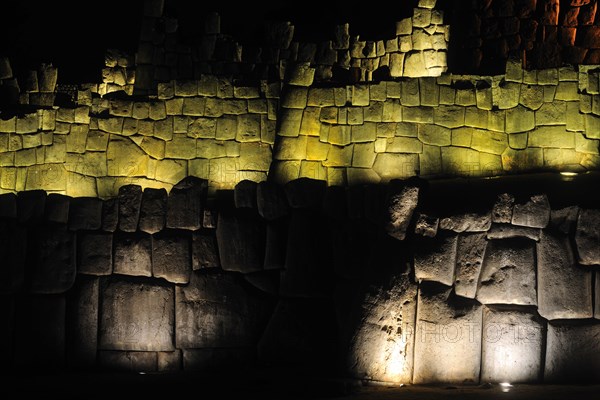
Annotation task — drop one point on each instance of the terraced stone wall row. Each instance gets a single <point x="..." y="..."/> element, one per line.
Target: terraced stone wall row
<point x="367" y="282"/>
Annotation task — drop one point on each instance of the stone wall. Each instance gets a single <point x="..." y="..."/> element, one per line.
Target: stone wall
<point x="393" y="283"/>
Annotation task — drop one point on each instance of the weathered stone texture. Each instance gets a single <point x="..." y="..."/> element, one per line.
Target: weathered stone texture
<point x="82" y="322"/>
<point x="535" y="213"/>
<point x="133" y="254"/>
<point x="587" y="237"/>
<point x="185" y="204"/>
<point x="95" y="253"/>
<point x="130" y="200"/>
<point x="435" y="259"/>
<point x="470" y="251"/>
<point x="401" y="203"/>
<point x="153" y="210"/>
<point x="171" y="257"/>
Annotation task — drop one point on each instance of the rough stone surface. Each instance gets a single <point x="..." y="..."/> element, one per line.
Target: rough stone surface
<point x="205" y="252"/>
<point x="467" y="222"/>
<point x="82" y="322"/>
<point x="240" y="240"/>
<point x="587" y="236"/>
<point x="535" y="213"/>
<point x="470" y="251"/>
<point x="448" y="337"/>
<point x="218" y="310"/>
<point x="171" y="257"/>
<point x="401" y="204"/>
<point x="85" y="213"/>
<point x="136" y="315"/>
<point x="95" y="253"/>
<point x="512" y="346"/>
<point x="153" y="210"/>
<point x="507" y="231"/>
<point x="564" y="288"/>
<point x="57" y="208"/>
<point x="271" y="200"/>
<point x="435" y="259"/>
<point x="427" y="225"/>
<point x="564" y="219"/>
<point x="130" y="200"/>
<point x="132" y="254"/>
<point x="52" y="267"/>
<point x="572" y="353"/>
<point x="185" y="204"/>
<point x="508" y="273"/>
<point x="110" y="214"/>
<point x="245" y="194"/>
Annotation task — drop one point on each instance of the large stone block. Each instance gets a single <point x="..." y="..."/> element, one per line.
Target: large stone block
<point x="467" y="222"/>
<point x="110" y="214"/>
<point x="95" y="253"/>
<point x="13" y="247"/>
<point x="564" y="288"/>
<point x="435" y="259"/>
<point x="57" y="208"/>
<point x="401" y="203"/>
<point x="8" y="205"/>
<point x="564" y="219"/>
<point x="153" y="210"/>
<point x="205" y="252"/>
<point x="572" y="353"/>
<point x="241" y="241"/>
<point x="271" y="201"/>
<point x="136" y="315"/>
<point x="132" y="254"/>
<point x="470" y="251"/>
<point x="186" y="203"/>
<point x="587" y="236"/>
<point x="448" y="337"/>
<point x="82" y="323"/>
<point x="305" y="192"/>
<point x="52" y="266"/>
<point x="85" y="213"/>
<point x="130" y="200"/>
<point x="508" y="273"/>
<point x="507" y="231"/>
<point x="219" y="310"/>
<point x="535" y="213"/>
<point x="512" y="347"/>
<point x="171" y="256"/>
<point x="30" y="206"/>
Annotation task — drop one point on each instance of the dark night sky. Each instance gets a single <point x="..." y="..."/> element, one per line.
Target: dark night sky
<point x="75" y="38"/>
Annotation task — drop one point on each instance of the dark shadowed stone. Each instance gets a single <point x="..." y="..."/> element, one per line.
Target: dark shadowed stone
<point x="110" y="214"/>
<point x="502" y="210"/>
<point x="305" y="192"/>
<point x="565" y="219"/>
<point x="564" y="288"/>
<point x="355" y="202"/>
<point x="130" y="200"/>
<point x="271" y="201"/>
<point x="507" y="231"/>
<point x="241" y="241"/>
<point x="132" y="254"/>
<point x="597" y="301"/>
<point x="40" y="320"/>
<point x="82" y="322"/>
<point x="276" y="243"/>
<point x="334" y="202"/>
<point x="205" y="252"/>
<point x="508" y="273"/>
<point x="95" y="255"/>
<point x="209" y="219"/>
<point x="427" y="225"/>
<point x="467" y="222"/>
<point x="448" y="337"/>
<point x="400" y="205"/>
<point x="219" y="310"/>
<point x="245" y="194"/>
<point x="13" y="248"/>
<point x="31" y="205"/>
<point x="153" y="210"/>
<point x="85" y="213"/>
<point x="57" y="208"/>
<point x="186" y="203"/>
<point x="572" y="353"/>
<point x="469" y="259"/>
<point x="513" y="342"/>
<point x="52" y="263"/>
<point x="8" y="205"/>
<point x="435" y="258"/>
<point x="266" y="281"/>
<point x="136" y="315"/>
<point x="128" y="361"/>
<point x="7" y="333"/>
<point x="171" y="256"/>
<point x="170" y="361"/>
<point x="535" y="213"/>
<point x="308" y="267"/>
<point x="587" y="237"/>
<point x="301" y="333"/>
<point x="349" y="247"/>
<point x="374" y="203"/>
<point x="219" y="359"/>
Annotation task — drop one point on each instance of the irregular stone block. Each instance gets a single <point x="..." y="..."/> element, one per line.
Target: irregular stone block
<point x="427" y="225"/>
<point x="40" y="320"/>
<point x="171" y="257"/>
<point x="82" y="323"/>
<point x="564" y="289"/>
<point x="30" y="206"/>
<point x="53" y="266"/>
<point x="572" y="353"/>
<point x="400" y="206"/>
<point x="508" y="273"/>
<point x="153" y="210"/>
<point x="219" y="310"/>
<point x="271" y="201"/>
<point x="130" y="200"/>
<point x="132" y="254"/>
<point x="128" y="361"/>
<point x="513" y="342"/>
<point x="170" y="361"/>
<point x="435" y="259"/>
<point x="305" y="192"/>
<point x="205" y="252"/>
<point x="535" y="213"/>
<point x="85" y="213"/>
<point x="587" y="237"/>
<point x="467" y="222"/>
<point x="136" y="315"/>
<point x="110" y="214"/>
<point x="506" y="231"/>
<point x="186" y="202"/>
<point x="57" y="208"/>
<point x="241" y="242"/>
<point x="470" y="251"/>
<point x="13" y="247"/>
<point x="245" y="194"/>
<point x="448" y="337"/>
<point x="95" y="253"/>
<point x="8" y="205"/>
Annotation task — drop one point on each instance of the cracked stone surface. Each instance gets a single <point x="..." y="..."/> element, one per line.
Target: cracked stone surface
<point x="435" y="259"/>
<point x="469" y="259"/>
